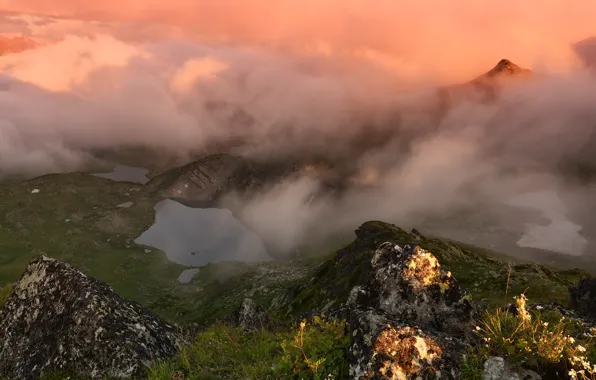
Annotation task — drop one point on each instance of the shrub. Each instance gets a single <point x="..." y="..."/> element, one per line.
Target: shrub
<point x="472" y="366"/>
<point x="317" y="350"/>
<point x="537" y="340"/>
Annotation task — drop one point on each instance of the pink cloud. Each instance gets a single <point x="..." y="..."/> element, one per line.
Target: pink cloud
<point x="454" y="39"/>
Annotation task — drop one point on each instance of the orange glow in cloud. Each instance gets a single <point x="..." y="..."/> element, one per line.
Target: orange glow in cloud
<point x="453" y="39"/>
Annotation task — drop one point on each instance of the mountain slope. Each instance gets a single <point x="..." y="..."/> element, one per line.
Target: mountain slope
<point x="484" y="87"/>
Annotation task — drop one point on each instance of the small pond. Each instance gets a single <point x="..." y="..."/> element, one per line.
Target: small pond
<point x="196" y="237"/>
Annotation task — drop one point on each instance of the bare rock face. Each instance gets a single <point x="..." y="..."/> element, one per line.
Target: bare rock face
<point x="409" y="320"/>
<point x="60" y="319"/>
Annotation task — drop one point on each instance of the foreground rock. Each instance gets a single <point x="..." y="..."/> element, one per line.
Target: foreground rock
<point x="60" y="319"/>
<point x="409" y="320"/>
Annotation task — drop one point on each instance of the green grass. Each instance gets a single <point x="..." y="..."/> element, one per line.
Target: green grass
<point x="224" y="352"/>
<point x="311" y="351"/>
<point x="99" y="240"/>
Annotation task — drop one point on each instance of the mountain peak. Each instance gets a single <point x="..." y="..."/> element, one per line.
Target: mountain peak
<point x="505" y="66"/>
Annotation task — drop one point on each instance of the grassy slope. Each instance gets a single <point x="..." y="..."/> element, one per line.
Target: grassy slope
<point x="484" y="274"/>
<point x="98" y="239"/>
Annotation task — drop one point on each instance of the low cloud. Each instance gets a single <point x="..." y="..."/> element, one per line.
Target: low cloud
<point x="333" y="85"/>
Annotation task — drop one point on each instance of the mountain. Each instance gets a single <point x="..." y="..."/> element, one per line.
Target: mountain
<point x="391" y="304"/>
<point x="11" y="45"/>
<point x="586" y="51"/>
<point x="484" y="87"/>
<point x="505" y="68"/>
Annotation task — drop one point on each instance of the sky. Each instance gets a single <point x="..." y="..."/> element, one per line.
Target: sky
<point x="451" y="40"/>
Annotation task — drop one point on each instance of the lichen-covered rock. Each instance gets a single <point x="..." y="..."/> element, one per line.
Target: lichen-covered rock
<point x="410" y="319"/>
<point x="385" y="349"/>
<point x="496" y="368"/>
<point x="57" y="318"/>
<point x="250" y="316"/>
<point x="409" y="285"/>
<point x="582" y="298"/>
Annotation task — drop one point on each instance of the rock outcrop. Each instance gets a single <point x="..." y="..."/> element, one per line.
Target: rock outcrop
<point x="409" y="320"/>
<point x="250" y="316"/>
<point x="57" y="318"/>
<point x="582" y="298"/>
<point x="409" y="284"/>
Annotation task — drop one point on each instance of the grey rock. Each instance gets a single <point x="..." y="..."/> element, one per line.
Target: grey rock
<point x="250" y="316"/>
<point x="410" y="320"/>
<point x="582" y="298"/>
<point x="496" y="368"/>
<point x="409" y="284"/>
<point x="57" y="318"/>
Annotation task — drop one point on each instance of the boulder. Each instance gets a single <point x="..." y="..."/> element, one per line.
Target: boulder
<point x="410" y="319"/>
<point x="57" y="318"/>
